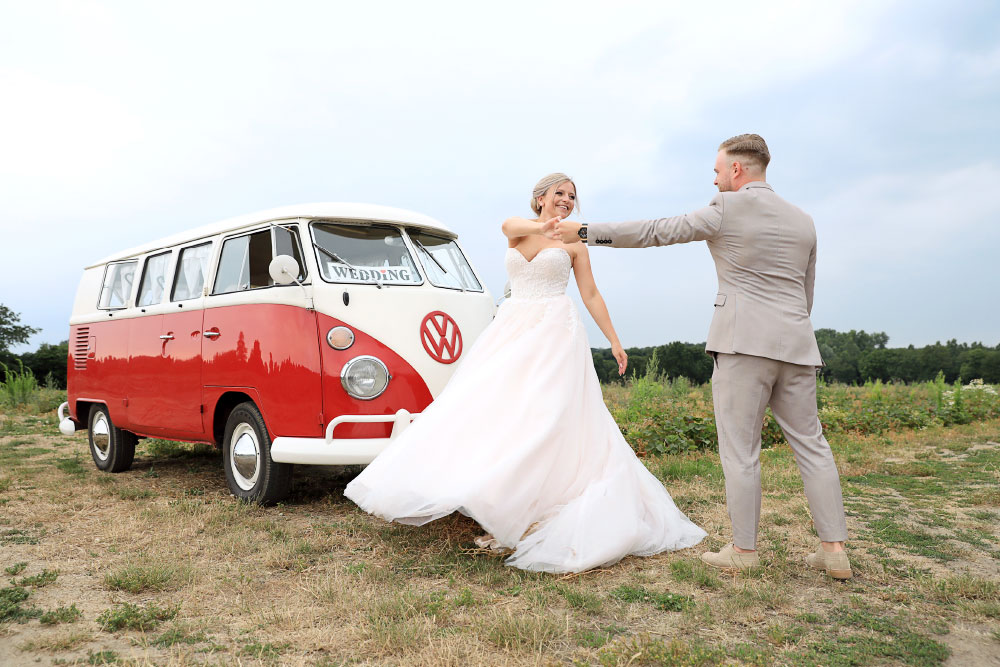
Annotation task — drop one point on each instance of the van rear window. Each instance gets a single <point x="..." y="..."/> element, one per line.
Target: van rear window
<point x="365" y="254"/>
<point x="192" y="267"/>
<point x="117" y="287"/>
<point x="154" y="280"/>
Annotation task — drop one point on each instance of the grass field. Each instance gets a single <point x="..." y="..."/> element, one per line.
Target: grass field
<point x="159" y="565"/>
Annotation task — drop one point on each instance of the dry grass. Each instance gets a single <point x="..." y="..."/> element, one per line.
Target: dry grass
<point x="316" y="582"/>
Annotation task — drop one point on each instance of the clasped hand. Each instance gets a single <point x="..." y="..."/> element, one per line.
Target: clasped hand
<point x="557" y="229"/>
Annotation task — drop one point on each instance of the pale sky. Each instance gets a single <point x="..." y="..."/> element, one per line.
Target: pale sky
<point x="122" y="122"/>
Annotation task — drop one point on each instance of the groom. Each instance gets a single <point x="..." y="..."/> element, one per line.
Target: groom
<point x="761" y="338"/>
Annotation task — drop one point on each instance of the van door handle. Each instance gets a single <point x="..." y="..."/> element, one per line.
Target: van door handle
<point x="210" y="334"/>
<point x="166" y="337"/>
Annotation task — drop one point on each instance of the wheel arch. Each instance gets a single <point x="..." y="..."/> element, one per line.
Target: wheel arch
<point x="224" y="405"/>
<point x="82" y="408"/>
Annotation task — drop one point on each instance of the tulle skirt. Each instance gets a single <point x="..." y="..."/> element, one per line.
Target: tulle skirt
<point x="521" y="439"/>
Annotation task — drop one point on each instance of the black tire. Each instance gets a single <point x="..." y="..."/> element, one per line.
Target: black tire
<point x="112" y="448"/>
<point x="246" y="457"/>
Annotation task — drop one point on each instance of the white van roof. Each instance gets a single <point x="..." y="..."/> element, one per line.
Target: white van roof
<point x="331" y="210"/>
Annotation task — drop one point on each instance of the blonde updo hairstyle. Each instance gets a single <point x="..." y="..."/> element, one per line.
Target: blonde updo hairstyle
<point x="543" y="186"/>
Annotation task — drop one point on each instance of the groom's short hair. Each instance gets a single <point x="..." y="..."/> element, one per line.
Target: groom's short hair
<point x="748" y="149"/>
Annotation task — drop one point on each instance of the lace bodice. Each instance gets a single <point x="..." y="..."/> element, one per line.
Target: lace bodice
<point x="544" y="276"/>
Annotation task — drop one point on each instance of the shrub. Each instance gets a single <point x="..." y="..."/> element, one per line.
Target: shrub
<point x="17" y="387"/>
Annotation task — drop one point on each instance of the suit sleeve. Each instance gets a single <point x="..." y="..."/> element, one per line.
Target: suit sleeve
<point x="703" y="224"/>
<point x="810" y="279"/>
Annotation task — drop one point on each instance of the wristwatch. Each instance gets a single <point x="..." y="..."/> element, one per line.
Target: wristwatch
<point x="582" y="232"/>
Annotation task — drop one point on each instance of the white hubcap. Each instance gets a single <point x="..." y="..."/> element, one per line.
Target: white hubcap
<point x="244" y="456"/>
<point x="100" y="435"/>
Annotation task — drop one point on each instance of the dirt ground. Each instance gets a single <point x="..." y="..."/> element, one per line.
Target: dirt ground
<point x="204" y="579"/>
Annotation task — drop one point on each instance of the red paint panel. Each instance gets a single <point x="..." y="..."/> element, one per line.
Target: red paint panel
<point x="76" y="374"/>
<point x="105" y="376"/>
<point x="274" y="349"/>
<point x="177" y="386"/>
<point x="276" y="353"/>
<point x="144" y="371"/>
<point x="406" y="390"/>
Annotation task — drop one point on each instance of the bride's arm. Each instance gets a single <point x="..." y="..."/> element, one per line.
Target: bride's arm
<point x="514" y="228"/>
<point x="594" y="302"/>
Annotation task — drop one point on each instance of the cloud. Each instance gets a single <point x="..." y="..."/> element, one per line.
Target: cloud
<point x="133" y="121"/>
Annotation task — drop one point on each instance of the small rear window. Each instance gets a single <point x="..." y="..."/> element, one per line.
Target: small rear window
<point x="154" y="280"/>
<point x="117" y="287"/>
<point x="192" y="267"/>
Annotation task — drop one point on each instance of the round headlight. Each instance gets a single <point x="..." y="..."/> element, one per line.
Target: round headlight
<point x="340" y="338"/>
<point x="364" y="377"/>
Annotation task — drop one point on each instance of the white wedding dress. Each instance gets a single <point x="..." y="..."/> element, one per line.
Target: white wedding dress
<point x="520" y="439"/>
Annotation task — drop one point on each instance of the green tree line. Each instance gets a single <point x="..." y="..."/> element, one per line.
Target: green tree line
<point x="851" y="357"/>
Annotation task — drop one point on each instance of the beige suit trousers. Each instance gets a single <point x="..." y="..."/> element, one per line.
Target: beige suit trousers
<point x="743" y="386"/>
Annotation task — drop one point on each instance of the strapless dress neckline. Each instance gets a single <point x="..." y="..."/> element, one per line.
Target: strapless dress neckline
<point x="529" y="261"/>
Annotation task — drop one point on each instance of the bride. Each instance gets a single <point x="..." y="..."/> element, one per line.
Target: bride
<point x="520" y="439"/>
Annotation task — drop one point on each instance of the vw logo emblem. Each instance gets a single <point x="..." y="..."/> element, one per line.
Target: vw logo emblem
<point x="441" y="337"/>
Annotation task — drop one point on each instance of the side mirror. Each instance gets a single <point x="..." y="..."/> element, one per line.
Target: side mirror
<point x="284" y="270"/>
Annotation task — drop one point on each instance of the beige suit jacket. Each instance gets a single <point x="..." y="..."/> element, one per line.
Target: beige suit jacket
<point x="765" y="256"/>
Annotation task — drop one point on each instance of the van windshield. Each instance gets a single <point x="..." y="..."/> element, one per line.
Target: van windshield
<point x="367" y="254"/>
<point x="443" y="261"/>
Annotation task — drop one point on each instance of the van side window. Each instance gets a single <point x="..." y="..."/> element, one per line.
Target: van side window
<point x="154" y="280"/>
<point x="286" y="242"/>
<point x="245" y="259"/>
<point x="192" y="267"/>
<point x="117" y="286"/>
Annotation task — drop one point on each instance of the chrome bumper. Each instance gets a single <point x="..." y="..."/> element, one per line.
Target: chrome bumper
<point x="66" y="425"/>
<point x="340" y="451"/>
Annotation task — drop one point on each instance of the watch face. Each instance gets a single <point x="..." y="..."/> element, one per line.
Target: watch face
<point x="583" y="233"/>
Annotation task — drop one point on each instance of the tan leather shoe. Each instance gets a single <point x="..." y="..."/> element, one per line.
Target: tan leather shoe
<point x="835" y="563"/>
<point x="729" y="558"/>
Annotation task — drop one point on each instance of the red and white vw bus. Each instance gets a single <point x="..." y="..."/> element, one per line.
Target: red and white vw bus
<point x="307" y="334"/>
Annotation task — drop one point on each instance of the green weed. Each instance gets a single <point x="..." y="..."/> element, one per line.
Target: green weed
<point x="263" y="651"/>
<point x="10" y="605"/>
<point x="43" y="578"/>
<point x="15" y="569"/>
<point x="921" y="543"/>
<point x="961" y="587"/>
<point x="60" y="615"/>
<point x="137" y="578"/>
<point x="522" y="632"/>
<point x="662" y="601"/>
<point x="105" y="657"/>
<point x="644" y="650"/>
<point x="128" y="616"/>
<point x="130" y="493"/>
<point x="17" y="536"/>
<point x="582" y="600"/>
<point x="71" y="466"/>
<point x="695" y="572"/>
<point x="179" y="635"/>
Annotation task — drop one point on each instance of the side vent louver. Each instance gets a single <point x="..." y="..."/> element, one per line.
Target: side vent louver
<point x="81" y="347"/>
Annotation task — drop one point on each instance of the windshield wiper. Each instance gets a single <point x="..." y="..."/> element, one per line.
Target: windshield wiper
<point x="428" y="253"/>
<point x="337" y="258"/>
